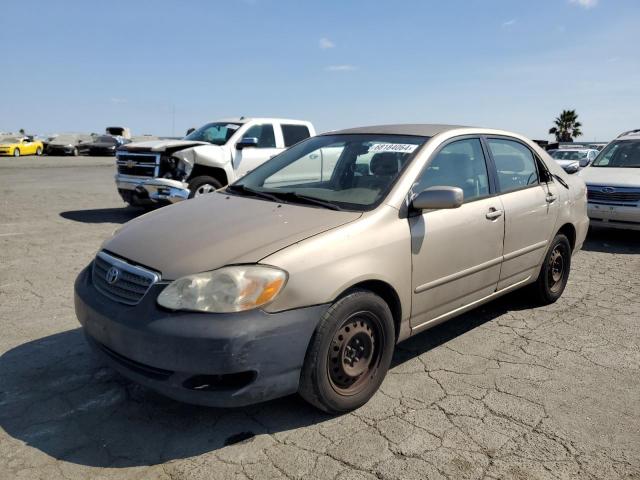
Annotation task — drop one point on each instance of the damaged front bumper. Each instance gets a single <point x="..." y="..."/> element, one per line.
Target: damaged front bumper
<point x="142" y="190"/>
<point x="212" y="359"/>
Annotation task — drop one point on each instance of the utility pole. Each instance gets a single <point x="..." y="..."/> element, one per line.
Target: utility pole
<point x="173" y="120"/>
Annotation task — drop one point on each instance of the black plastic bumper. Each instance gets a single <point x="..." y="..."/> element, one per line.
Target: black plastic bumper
<point x="223" y="360"/>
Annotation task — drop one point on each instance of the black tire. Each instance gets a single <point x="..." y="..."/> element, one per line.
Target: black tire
<point x="349" y="353"/>
<point x="197" y="185"/>
<point x="39" y="151"/>
<point x="554" y="273"/>
<point x="16" y="152"/>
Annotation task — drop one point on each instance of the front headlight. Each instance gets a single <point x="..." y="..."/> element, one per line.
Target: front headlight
<point x="228" y="289"/>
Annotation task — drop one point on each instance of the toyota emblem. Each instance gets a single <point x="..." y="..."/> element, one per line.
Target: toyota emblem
<point x="608" y="190"/>
<point x="112" y="275"/>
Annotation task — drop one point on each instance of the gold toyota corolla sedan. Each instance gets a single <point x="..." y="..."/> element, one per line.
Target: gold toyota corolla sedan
<point x="303" y="275"/>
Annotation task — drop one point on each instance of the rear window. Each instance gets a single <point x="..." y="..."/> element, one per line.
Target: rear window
<point x="294" y="133"/>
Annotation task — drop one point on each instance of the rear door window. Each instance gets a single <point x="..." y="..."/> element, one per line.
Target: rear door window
<point x="515" y="164"/>
<point x="294" y="133"/>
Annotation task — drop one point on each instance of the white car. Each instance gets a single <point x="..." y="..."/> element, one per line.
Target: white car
<point x="214" y="155"/>
<point x="613" y="183"/>
<point x="568" y="157"/>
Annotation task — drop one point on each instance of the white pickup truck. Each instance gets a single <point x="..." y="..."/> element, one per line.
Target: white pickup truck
<point x="214" y="155"/>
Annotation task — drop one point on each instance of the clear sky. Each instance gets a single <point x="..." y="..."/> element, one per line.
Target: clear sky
<point x="512" y="64"/>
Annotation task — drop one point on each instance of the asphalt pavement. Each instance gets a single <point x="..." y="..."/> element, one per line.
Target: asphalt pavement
<point x="505" y="391"/>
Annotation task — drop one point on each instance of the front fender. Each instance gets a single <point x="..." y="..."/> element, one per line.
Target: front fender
<point x="208" y="156"/>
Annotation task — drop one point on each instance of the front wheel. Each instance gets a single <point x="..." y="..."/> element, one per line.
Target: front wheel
<point x="16" y="152"/>
<point x="554" y="273"/>
<point x="202" y="185"/>
<point x="75" y="152"/>
<point x="349" y="354"/>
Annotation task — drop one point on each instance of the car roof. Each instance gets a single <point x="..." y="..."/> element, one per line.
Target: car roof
<point x="418" y="129"/>
<point x="261" y="119"/>
<point x="630" y="135"/>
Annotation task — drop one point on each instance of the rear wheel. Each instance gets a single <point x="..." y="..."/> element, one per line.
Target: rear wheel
<point x="202" y="185"/>
<point x="39" y="151"/>
<point x="554" y="273"/>
<point x="349" y="354"/>
<point x="74" y="152"/>
<point x="16" y="152"/>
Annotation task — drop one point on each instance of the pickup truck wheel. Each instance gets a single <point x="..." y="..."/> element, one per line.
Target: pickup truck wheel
<point x="202" y="185"/>
<point x="349" y="353"/>
<point x="554" y="273"/>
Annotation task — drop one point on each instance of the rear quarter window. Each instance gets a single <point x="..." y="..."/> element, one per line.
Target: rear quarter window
<point x="293" y="134"/>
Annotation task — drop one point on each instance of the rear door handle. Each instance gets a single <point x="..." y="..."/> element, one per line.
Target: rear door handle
<point x="551" y="198"/>
<point x="493" y="214"/>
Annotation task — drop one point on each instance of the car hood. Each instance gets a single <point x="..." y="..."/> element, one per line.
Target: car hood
<point x="617" y="177"/>
<point x="161" y="145"/>
<point x="215" y="230"/>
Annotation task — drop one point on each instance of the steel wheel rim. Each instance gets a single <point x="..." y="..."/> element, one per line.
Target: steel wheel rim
<point x="204" y="189"/>
<point x="556" y="269"/>
<point x="354" y="353"/>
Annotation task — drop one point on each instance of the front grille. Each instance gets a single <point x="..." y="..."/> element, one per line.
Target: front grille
<point x="138" y="164"/>
<point x="613" y="195"/>
<point x="121" y="281"/>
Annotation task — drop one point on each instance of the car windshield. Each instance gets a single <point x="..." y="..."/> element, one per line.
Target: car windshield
<point x="620" y="154"/>
<point x="353" y="172"/>
<point x="569" y="154"/>
<point x="215" y="133"/>
<point x="106" y="139"/>
<point x="65" y="139"/>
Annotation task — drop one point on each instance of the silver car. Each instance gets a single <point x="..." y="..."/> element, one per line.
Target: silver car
<point x="613" y="181"/>
<point x="304" y="275"/>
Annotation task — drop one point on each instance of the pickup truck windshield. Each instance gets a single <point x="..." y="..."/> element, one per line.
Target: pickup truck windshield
<point x="215" y="133"/>
<point x="620" y="154"/>
<point x="353" y="172"/>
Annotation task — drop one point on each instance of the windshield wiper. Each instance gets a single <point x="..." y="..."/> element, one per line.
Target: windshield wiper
<point x="293" y="196"/>
<point x="561" y="181"/>
<point x="249" y="191"/>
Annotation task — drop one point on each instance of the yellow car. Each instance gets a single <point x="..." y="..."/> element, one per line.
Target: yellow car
<point x="17" y="146"/>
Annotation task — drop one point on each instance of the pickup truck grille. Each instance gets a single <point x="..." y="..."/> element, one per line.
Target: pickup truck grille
<point x="613" y="195"/>
<point x="138" y="164"/>
<point x="121" y="281"/>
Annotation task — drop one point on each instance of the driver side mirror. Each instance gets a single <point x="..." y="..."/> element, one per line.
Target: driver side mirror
<point x="584" y="162"/>
<point x="247" y="142"/>
<point x="438" y="198"/>
<point x="572" y="167"/>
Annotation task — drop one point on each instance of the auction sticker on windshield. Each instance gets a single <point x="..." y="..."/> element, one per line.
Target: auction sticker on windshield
<point x="393" y="147"/>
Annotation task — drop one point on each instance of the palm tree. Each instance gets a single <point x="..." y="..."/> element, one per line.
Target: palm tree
<point x="567" y="126"/>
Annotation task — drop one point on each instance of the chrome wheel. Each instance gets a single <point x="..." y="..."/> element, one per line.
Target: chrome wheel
<point x="556" y="269"/>
<point x="16" y="152"/>
<point x="355" y="352"/>
<point x="204" y="189"/>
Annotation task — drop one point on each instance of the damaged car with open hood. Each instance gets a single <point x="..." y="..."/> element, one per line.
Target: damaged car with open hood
<point x="214" y="155"/>
<point x="303" y="275"/>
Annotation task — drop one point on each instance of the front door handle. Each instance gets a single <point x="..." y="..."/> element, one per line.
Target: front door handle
<point x="551" y="198"/>
<point x="492" y="214"/>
